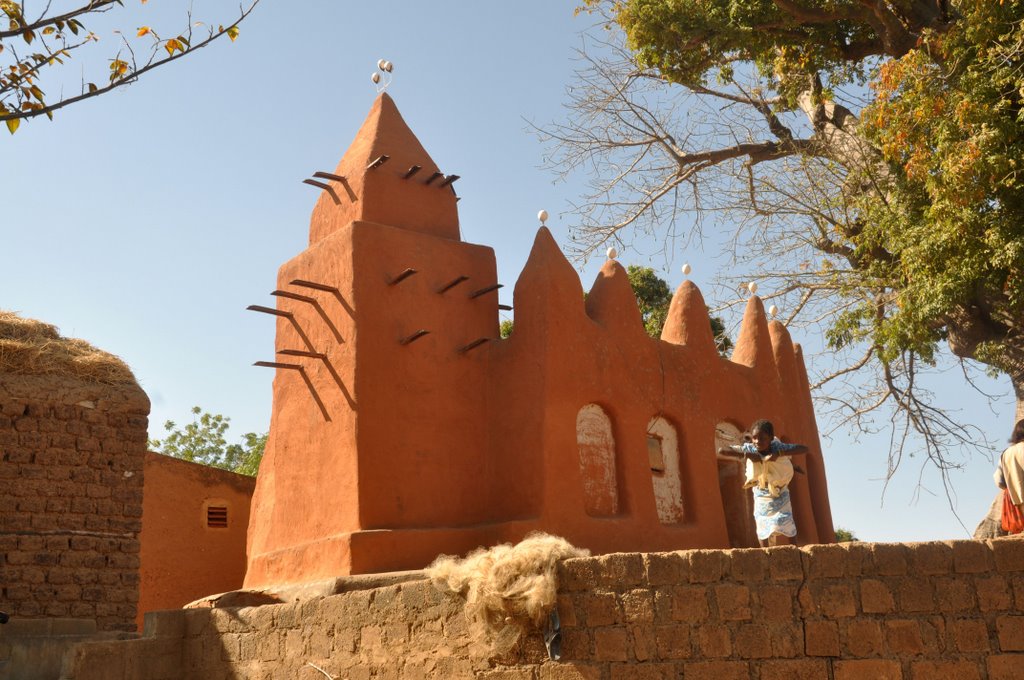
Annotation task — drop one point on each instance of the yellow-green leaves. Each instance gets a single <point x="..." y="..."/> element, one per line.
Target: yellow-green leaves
<point x="232" y="32"/>
<point x="52" y="44"/>
<point x="176" y="45"/>
<point x="118" y="68"/>
<point x="12" y="125"/>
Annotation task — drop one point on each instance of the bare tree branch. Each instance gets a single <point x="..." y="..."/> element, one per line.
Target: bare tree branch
<point x="785" y="185"/>
<point x="20" y="95"/>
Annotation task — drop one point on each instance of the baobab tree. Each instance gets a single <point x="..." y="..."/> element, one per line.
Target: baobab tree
<point x="864" y="156"/>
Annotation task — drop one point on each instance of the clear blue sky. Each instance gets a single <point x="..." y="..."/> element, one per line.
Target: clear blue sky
<point x="147" y="220"/>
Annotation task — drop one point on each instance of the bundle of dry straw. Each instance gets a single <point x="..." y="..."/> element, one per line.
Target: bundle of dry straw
<point x="507" y="587"/>
<point x="30" y="347"/>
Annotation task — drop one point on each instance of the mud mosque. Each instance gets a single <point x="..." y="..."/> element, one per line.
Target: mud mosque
<point x="404" y="427"/>
<point x="394" y="393"/>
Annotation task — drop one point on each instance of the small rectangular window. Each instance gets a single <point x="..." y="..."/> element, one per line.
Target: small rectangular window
<point x="217" y="517"/>
<point x="655" y="454"/>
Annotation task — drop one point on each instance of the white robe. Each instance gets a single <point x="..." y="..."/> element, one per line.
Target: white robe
<point x="1011" y="464"/>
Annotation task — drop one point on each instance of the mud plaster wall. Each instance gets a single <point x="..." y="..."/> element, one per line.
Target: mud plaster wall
<point x="183" y="558"/>
<point x="881" y="611"/>
<point x="71" y="476"/>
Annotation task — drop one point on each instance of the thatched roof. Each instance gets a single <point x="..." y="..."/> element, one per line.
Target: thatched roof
<point x="30" y="347"/>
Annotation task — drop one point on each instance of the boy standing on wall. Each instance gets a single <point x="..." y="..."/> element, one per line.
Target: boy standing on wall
<point x="768" y="472"/>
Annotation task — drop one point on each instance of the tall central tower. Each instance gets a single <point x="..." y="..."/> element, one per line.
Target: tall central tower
<point x="378" y="419"/>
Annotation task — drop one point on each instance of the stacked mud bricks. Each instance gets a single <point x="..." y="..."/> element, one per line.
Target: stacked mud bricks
<point x="845" y="612"/>
<point x="921" y="611"/>
<point x="71" y="457"/>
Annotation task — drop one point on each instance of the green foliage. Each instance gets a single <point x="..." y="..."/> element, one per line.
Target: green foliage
<point x="689" y="40"/>
<point x="203" y="441"/>
<point x="948" y="118"/>
<point x="505" y="328"/>
<point x="844" y="535"/>
<point x="722" y="340"/>
<point x="920" y="218"/>
<point x="653" y="297"/>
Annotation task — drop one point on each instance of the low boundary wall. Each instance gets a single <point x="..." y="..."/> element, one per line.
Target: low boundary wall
<point x="849" y="611"/>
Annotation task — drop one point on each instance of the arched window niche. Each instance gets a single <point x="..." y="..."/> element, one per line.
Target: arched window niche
<point x="596" y="443"/>
<point x="663" y="453"/>
<point x="737" y="502"/>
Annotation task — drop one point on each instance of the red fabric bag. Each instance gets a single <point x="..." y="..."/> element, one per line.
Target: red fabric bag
<point x="1013" y="519"/>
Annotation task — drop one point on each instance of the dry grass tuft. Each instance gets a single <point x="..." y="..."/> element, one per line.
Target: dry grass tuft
<point x="508" y="588"/>
<point x="30" y="347"/>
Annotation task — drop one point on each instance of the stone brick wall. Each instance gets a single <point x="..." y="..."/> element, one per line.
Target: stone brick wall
<point x="71" y="474"/>
<point x="882" y="611"/>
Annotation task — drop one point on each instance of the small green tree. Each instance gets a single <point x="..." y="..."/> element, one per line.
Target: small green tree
<point x="203" y="441"/>
<point x="246" y="457"/>
<point x="722" y="339"/>
<point x="845" y="535"/>
<point x="654" y="298"/>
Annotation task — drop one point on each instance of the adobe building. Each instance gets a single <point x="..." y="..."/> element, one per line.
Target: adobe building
<point x="194" y="522"/>
<point x="403" y="427"/>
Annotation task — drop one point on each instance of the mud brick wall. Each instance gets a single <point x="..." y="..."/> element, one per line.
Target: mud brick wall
<point x="844" y="612"/>
<point x="848" y="611"/>
<point x="71" y="474"/>
<point x="409" y="630"/>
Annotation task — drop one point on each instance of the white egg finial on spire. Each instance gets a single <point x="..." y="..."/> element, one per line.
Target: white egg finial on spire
<point x="542" y="216"/>
<point x="773" y="310"/>
<point x="687" y="269"/>
<point x="752" y="287"/>
<point x="611" y="253"/>
<point x="383" y="78"/>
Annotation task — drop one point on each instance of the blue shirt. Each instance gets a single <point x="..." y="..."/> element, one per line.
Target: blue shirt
<point x="774" y="448"/>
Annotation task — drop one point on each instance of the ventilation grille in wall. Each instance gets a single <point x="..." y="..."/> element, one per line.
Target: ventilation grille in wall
<point x="217" y="517"/>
